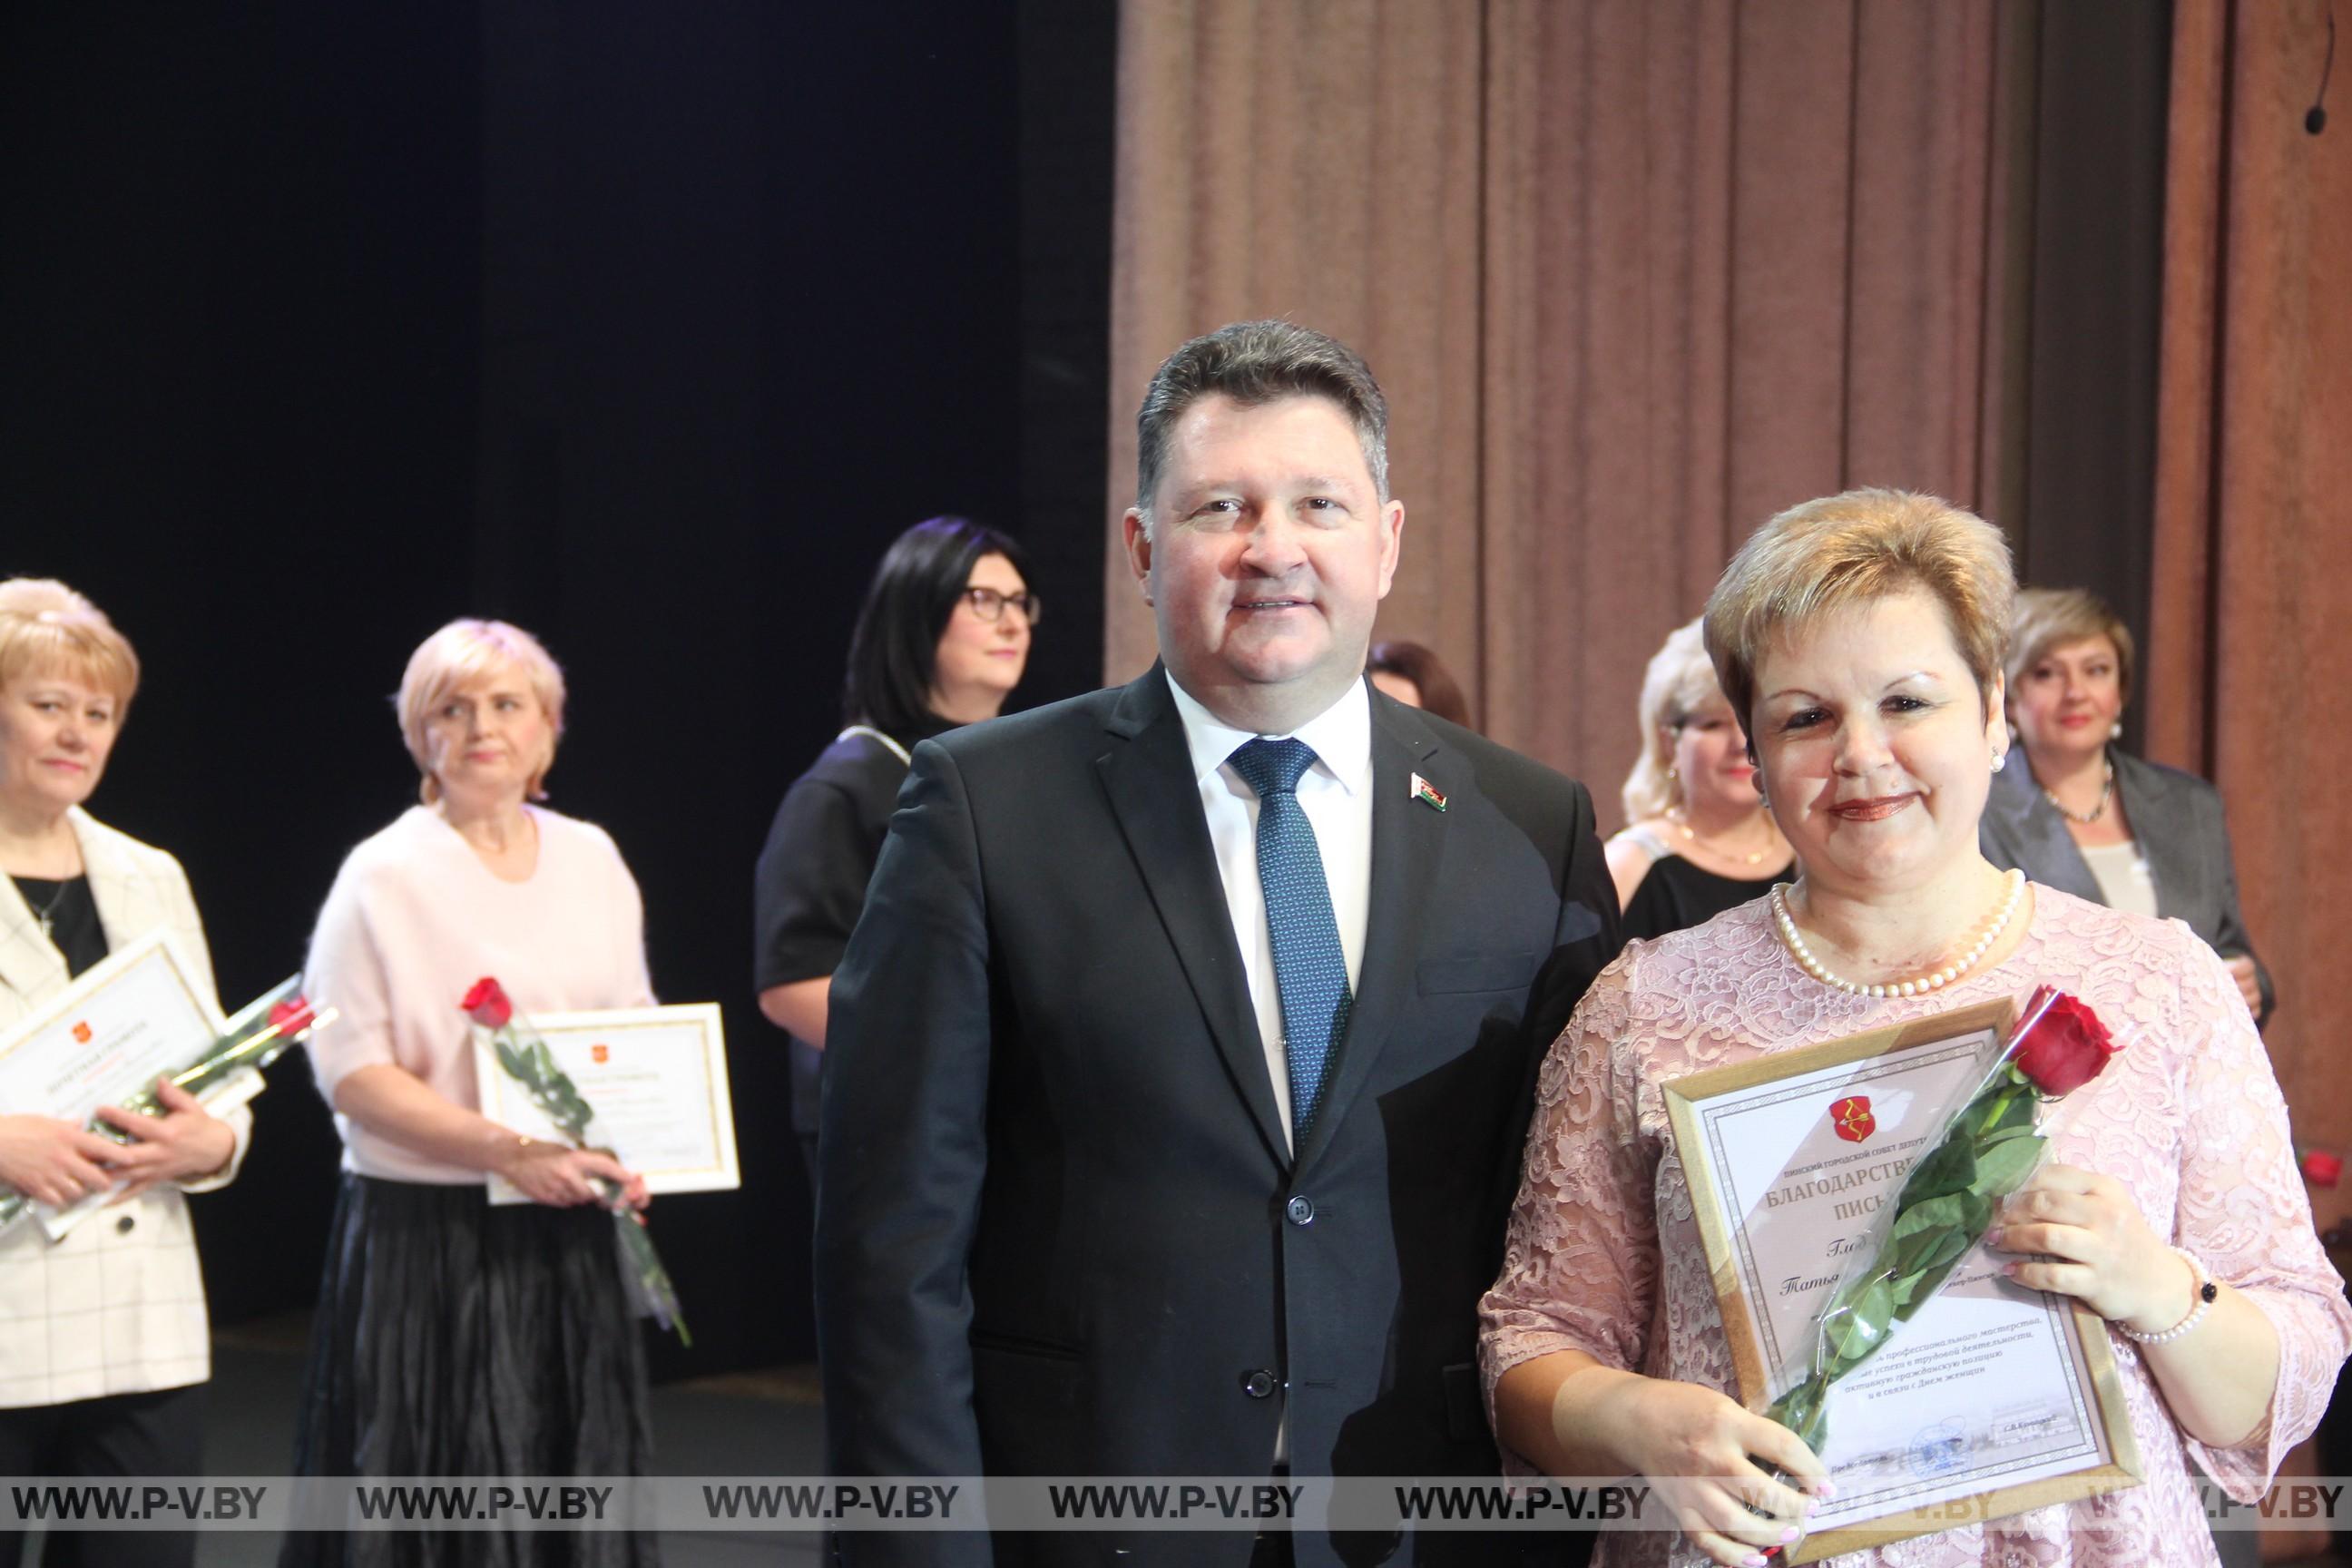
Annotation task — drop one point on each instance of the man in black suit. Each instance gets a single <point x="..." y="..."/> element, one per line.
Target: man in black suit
<point x="1178" y="1072"/>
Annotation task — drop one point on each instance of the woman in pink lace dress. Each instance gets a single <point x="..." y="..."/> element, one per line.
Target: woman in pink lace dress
<point x="1860" y="637"/>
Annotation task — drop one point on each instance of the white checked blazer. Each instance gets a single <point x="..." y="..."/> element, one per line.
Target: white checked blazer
<point x="118" y="1307"/>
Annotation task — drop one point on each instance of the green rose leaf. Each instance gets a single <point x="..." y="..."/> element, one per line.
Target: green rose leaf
<point x="1862" y="1328"/>
<point x="1952" y="1209"/>
<point x="1950" y="1169"/>
<point x="2004" y="1167"/>
<point x="2012" y="1108"/>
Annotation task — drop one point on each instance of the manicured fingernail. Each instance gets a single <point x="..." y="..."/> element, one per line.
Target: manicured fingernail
<point x="1790" y="1534"/>
<point x="1825" y="1490"/>
<point x="1810" y="1504"/>
<point x="1754" y="1560"/>
<point x="1992" y="1236"/>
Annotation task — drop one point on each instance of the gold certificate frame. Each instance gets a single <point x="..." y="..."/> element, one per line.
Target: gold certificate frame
<point x="1995" y="1400"/>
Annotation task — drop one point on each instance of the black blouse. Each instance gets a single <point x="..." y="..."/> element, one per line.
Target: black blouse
<point x="1675" y="894"/>
<point x="810" y="887"/>
<point x="74" y="928"/>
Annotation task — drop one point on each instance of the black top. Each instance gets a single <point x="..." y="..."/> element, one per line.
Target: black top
<point x="74" y="928"/>
<point x="810" y="887"/>
<point x="1674" y="895"/>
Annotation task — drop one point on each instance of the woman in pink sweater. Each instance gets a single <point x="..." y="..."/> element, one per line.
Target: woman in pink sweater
<point x="452" y="1338"/>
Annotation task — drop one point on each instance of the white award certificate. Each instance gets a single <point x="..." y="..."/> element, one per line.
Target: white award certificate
<point x="1994" y="1399"/>
<point x="657" y="1079"/>
<point x="133" y="1017"/>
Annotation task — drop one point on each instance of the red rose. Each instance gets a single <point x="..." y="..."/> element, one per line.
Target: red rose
<point x="486" y="1004"/>
<point x="2322" y="1169"/>
<point x="2063" y="1047"/>
<point x="291" y="1016"/>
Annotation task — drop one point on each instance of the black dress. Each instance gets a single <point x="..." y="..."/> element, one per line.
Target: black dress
<point x="810" y="887"/>
<point x="1674" y="895"/>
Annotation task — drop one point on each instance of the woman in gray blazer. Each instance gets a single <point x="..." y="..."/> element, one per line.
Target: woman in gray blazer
<point x="2083" y="815"/>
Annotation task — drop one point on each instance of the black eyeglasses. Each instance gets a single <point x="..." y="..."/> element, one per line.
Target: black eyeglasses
<point x="989" y="603"/>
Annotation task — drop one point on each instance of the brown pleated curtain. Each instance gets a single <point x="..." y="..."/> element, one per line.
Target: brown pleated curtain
<point x="2253" y="503"/>
<point x="1634" y="274"/>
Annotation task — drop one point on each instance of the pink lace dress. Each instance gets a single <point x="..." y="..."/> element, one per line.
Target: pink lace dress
<point x="1605" y="1256"/>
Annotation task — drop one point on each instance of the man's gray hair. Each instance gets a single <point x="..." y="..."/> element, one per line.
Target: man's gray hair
<point x="1254" y="363"/>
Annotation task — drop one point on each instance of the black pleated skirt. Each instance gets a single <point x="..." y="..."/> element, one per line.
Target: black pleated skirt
<point x="456" y="1339"/>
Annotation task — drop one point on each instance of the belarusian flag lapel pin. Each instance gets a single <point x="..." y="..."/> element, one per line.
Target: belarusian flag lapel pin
<point x="1427" y="792"/>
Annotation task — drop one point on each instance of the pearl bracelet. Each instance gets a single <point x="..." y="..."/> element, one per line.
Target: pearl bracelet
<point x="2207" y="1293"/>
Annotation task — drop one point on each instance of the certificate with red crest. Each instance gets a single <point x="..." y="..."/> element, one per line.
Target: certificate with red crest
<point x="658" y="1079"/>
<point x="1993" y="1399"/>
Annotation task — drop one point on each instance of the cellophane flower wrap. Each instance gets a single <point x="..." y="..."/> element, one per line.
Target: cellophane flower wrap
<point x="523" y="1054"/>
<point x="1987" y="1148"/>
<point x="259" y="1033"/>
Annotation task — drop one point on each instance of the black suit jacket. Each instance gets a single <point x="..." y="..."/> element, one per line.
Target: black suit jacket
<point x="2177" y="820"/>
<point x="1059" y="1231"/>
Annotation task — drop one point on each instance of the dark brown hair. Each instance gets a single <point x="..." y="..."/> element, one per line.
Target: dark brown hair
<point x="1439" y="693"/>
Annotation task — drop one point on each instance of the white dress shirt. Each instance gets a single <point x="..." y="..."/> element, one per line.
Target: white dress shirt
<point x="1336" y="795"/>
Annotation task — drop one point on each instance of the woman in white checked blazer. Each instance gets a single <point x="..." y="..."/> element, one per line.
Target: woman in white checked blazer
<point x="103" y="1340"/>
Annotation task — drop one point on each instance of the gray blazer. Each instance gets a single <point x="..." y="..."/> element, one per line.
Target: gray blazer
<point x="2176" y="819"/>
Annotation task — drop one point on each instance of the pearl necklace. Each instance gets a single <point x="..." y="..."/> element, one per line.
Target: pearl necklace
<point x="1919" y="987"/>
<point x="2106" y="788"/>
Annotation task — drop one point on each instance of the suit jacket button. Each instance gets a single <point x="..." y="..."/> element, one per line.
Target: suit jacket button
<point x="1259" y="1384"/>
<point x="1299" y="1211"/>
<point x="124" y="1224"/>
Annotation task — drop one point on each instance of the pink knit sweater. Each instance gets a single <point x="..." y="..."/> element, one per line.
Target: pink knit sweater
<point x="415" y="918"/>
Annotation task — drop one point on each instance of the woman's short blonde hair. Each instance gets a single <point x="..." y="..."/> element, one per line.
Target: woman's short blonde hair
<point x="46" y="628"/>
<point x="1679" y="683"/>
<point x="1852" y="549"/>
<point x="2047" y="618"/>
<point x="458" y="653"/>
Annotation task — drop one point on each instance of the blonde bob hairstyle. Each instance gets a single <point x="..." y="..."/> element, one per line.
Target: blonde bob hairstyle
<point x="46" y="628"/>
<point x="1855" y="549"/>
<point x="457" y="654"/>
<point x="2050" y="618"/>
<point x="1680" y="682"/>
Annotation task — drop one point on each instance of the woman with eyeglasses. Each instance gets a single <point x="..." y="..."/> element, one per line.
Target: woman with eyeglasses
<point x="942" y="640"/>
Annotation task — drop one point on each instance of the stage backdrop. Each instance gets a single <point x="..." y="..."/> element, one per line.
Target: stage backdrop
<point x="2254" y="504"/>
<point x="647" y="327"/>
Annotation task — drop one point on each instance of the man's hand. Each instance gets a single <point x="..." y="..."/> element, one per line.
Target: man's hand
<point x="186" y="1141"/>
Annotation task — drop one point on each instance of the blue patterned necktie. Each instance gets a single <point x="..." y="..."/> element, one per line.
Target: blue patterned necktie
<point x="1310" y="969"/>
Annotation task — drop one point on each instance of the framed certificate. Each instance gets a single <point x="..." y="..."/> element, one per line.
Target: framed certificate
<point x="1994" y="1399"/>
<point x="656" y="1079"/>
<point x="138" y="1015"/>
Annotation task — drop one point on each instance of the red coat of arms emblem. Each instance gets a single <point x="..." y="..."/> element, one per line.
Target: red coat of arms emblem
<point x="1852" y="1120"/>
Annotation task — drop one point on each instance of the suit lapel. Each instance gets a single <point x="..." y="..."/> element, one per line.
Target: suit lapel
<point x="2042" y="841"/>
<point x="1407" y="855"/>
<point x="2165" y="829"/>
<point x="30" y="966"/>
<point x="127" y="907"/>
<point x="1148" y="775"/>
